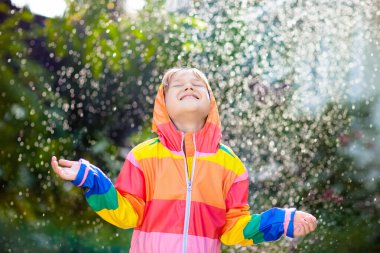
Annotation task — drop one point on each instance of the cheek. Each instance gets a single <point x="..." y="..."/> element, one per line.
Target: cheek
<point x="205" y="93"/>
<point x="171" y="104"/>
<point x="169" y="98"/>
<point x="206" y="106"/>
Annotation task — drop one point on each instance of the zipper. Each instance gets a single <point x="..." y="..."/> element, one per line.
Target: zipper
<point x="189" y="184"/>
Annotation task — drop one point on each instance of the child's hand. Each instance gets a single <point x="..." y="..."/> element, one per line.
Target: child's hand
<point x="304" y="223"/>
<point x="68" y="169"/>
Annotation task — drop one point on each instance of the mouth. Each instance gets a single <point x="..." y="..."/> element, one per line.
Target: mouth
<point x="188" y="96"/>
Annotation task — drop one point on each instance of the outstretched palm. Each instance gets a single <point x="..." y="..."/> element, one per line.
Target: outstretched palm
<point x="304" y="223"/>
<point x="65" y="169"/>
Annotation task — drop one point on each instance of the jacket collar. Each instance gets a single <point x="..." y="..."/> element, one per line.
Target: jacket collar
<point x="206" y="140"/>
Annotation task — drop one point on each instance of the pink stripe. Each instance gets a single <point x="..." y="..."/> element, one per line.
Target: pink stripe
<point x="237" y="195"/>
<point x="242" y="177"/>
<point x="84" y="177"/>
<point x="131" y="157"/>
<point x="143" y="242"/>
<point x="288" y="212"/>
<point x="205" y="220"/>
<point x="202" y="154"/>
<point x="131" y="180"/>
<point x="179" y="153"/>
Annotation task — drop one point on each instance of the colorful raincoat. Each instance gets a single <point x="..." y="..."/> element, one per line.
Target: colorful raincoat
<point x="182" y="192"/>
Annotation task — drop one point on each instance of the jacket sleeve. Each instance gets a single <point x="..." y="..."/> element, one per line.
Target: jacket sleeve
<point x="121" y="204"/>
<point x="244" y="228"/>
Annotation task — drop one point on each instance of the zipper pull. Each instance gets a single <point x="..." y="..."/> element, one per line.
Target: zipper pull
<point x="189" y="186"/>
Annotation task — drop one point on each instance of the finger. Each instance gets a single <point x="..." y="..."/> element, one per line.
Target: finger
<point x="306" y="228"/>
<point x="58" y="170"/>
<point x="54" y="164"/>
<point x="312" y="222"/>
<point x="308" y="217"/>
<point x="308" y="225"/>
<point x="314" y="225"/>
<point x="311" y="217"/>
<point x="52" y="160"/>
<point x="300" y="215"/>
<point x="65" y="163"/>
<point x="298" y="230"/>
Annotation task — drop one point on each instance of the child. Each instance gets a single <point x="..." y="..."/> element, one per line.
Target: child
<point x="183" y="191"/>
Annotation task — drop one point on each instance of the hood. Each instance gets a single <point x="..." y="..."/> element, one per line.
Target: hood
<point x="206" y="140"/>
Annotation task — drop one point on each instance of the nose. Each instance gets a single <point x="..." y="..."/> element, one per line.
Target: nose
<point x="188" y="85"/>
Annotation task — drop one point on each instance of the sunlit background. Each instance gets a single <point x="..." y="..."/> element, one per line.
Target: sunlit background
<point x="56" y="8"/>
<point x="298" y="90"/>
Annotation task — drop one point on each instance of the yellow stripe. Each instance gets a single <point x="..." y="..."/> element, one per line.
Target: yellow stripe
<point x="235" y="235"/>
<point x="225" y="160"/>
<point x="144" y="144"/>
<point x="190" y="166"/>
<point x="124" y="216"/>
<point x="149" y="151"/>
<point x="230" y="163"/>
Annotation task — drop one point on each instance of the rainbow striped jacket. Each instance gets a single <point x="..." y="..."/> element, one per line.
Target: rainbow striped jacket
<point x="182" y="192"/>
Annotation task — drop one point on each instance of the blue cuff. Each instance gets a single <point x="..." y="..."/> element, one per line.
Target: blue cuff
<point x="290" y="231"/>
<point x="80" y="174"/>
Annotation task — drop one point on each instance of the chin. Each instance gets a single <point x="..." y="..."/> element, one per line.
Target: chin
<point x="190" y="109"/>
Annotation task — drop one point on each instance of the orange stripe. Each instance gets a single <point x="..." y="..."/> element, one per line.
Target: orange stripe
<point x="233" y="215"/>
<point x="207" y="183"/>
<point x="138" y="205"/>
<point x="189" y="144"/>
<point x="168" y="180"/>
<point x="165" y="178"/>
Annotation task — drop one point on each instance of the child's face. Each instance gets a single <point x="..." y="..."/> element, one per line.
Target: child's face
<point x="187" y="94"/>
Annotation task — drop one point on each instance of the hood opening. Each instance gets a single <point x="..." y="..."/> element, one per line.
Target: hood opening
<point x="207" y="139"/>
